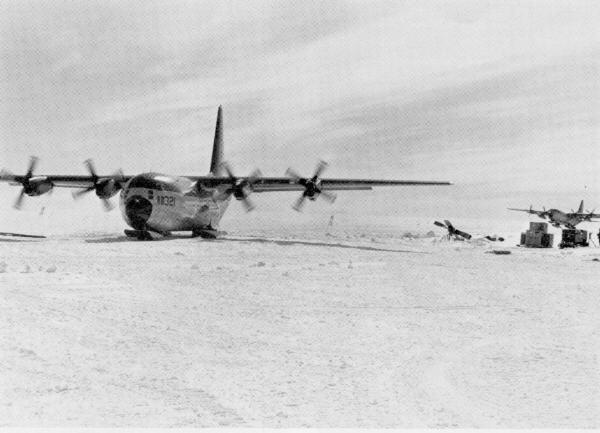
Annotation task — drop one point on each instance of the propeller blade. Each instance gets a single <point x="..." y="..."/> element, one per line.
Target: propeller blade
<point x="291" y="173"/>
<point x="329" y="196"/>
<point x="90" y="166"/>
<point x="247" y="204"/>
<point x="6" y="175"/>
<point x="254" y="176"/>
<point x="81" y="192"/>
<point x="108" y="206"/>
<point x="227" y="168"/>
<point x="299" y="204"/>
<point x="119" y="177"/>
<point x="311" y="186"/>
<point x="437" y="223"/>
<point x="320" y="168"/>
<point x="241" y="188"/>
<point x="463" y="234"/>
<point x="19" y="200"/>
<point x="33" y="160"/>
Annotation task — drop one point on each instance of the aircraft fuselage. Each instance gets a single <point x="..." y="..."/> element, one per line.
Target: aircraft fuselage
<point x="162" y="203"/>
<point x="558" y="218"/>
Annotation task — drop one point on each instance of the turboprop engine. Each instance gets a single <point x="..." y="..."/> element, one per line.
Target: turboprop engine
<point x="32" y="185"/>
<point x="37" y="186"/>
<point x="104" y="187"/>
<point x="312" y="186"/>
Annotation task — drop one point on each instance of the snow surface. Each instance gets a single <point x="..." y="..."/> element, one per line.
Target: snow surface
<point x="285" y="322"/>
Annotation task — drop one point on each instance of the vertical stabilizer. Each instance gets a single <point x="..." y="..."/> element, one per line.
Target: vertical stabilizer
<point x="217" y="152"/>
<point x="580" y="210"/>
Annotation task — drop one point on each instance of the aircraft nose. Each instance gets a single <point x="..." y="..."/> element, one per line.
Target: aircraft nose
<point x="138" y="209"/>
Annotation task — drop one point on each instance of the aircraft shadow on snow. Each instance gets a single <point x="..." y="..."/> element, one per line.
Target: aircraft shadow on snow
<point x="111" y="240"/>
<point x="295" y="242"/>
<point x="279" y="242"/>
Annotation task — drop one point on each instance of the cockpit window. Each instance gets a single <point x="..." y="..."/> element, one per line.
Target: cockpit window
<point x="151" y="181"/>
<point x="144" y="181"/>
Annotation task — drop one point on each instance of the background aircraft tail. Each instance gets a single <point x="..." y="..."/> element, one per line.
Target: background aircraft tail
<point x="217" y="152"/>
<point x="580" y="210"/>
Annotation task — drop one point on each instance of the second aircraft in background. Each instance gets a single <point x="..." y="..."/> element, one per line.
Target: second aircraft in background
<point x="559" y="218"/>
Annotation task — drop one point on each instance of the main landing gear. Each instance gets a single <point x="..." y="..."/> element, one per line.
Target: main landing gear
<point x="145" y="235"/>
<point x="207" y="233"/>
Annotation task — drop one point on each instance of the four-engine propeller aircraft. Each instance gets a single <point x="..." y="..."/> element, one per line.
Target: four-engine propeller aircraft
<point x="153" y="203"/>
<point x="558" y="217"/>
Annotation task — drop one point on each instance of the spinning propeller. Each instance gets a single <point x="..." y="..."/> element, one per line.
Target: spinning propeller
<point x="241" y="188"/>
<point x="543" y="214"/>
<point x="32" y="185"/>
<point x="590" y="215"/>
<point x="452" y="231"/>
<point x="105" y="187"/>
<point x="312" y="186"/>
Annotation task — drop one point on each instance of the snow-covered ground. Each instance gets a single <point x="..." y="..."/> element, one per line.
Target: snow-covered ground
<point x="369" y="323"/>
<point x="285" y="321"/>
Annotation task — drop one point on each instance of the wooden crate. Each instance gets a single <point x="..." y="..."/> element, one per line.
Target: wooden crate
<point x="537" y="239"/>
<point x="538" y="227"/>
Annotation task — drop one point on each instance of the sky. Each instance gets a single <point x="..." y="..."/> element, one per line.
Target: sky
<point x="498" y="95"/>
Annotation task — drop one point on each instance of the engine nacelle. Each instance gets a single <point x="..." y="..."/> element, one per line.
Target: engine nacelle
<point x="107" y="187"/>
<point x="37" y="186"/>
<point x="241" y="193"/>
<point x="312" y="190"/>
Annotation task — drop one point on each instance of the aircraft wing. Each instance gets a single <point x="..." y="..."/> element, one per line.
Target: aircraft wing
<point x="586" y="216"/>
<point x="287" y="184"/>
<point x="259" y="184"/>
<point x="272" y="184"/>
<point x="61" y="181"/>
<point x="539" y="213"/>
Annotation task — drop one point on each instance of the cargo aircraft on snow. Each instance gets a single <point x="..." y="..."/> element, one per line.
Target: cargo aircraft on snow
<point x="158" y="204"/>
<point x="559" y="218"/>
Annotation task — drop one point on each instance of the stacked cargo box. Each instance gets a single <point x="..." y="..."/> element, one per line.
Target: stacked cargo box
<point x="574" y="238"/>
<point x="537" y="236"/>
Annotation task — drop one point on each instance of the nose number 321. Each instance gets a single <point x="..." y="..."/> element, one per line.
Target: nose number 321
<point x="165" y="200"/>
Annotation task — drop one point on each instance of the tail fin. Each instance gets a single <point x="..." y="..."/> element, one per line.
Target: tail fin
<point x="217" y="152"/>
<point x="580" y="210"/>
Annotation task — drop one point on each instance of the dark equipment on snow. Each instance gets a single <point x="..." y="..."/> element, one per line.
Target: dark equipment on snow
<point x="572" y="238"/>
<point x="452" y="231"/>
